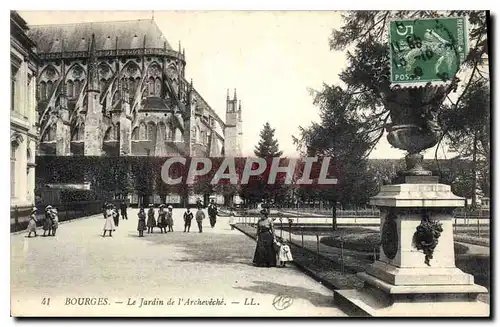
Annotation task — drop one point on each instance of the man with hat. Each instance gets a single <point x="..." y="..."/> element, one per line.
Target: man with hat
<point x="32" y="222"/>
<point x="123" y="209"/>
<point x="200" y="215"/>
<point x="188" y="216"/>
<point x="212" y="213"/>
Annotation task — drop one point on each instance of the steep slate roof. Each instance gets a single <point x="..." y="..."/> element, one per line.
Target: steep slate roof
<point x="76" y="36"/>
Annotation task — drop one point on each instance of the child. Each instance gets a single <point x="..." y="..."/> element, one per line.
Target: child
<point x="284" y="254"/>
<point x="32" y="222"/>
<point x="142" y="222"/>
<point x="188" y="217"/>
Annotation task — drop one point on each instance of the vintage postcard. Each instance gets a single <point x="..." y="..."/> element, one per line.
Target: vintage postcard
<point x="250" y="164"/>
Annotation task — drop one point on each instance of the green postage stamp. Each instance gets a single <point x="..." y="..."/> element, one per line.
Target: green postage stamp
<point x="426" y="50"/>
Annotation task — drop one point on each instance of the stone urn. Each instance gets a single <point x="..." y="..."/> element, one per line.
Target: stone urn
<point x="415" y="127"/>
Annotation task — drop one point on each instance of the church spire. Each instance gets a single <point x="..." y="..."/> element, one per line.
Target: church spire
<point x="235" y="98"/>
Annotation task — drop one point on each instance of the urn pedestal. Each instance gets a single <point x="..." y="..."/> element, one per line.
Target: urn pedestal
<point x="408" y="280"/>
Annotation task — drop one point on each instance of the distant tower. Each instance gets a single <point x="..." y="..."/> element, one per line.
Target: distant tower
<point x="233" y="131"/>
<point x="93" y="118"/>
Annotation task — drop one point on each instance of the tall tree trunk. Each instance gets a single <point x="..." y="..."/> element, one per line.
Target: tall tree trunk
<point x="474" y="170"/>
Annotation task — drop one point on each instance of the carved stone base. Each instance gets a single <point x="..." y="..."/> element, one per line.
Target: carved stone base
<point x="403" y="284"/>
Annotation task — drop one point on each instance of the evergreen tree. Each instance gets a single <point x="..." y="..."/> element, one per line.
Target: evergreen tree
<point x="268" y="146"/>
<point x="258" y="189"/>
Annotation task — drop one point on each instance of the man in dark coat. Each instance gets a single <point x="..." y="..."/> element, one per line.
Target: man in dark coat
<point x="123" y="209"/>
<point x="212" y="213"/>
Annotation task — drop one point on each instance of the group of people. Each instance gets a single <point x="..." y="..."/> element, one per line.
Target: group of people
<point x="166" y="220"/>
<point x="269" y="252"/>
<point x="50" y="221"/>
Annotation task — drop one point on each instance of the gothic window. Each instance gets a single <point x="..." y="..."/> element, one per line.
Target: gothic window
<point x="49" y="89"/>
<point x="43" y="94"/>
<point x="169" y="132"/>
<point x="174" y="134"/>
<point x="135" y="133"/>
<point x="132" y="86"/>
<point x="78" y="86"/>
<point x="151" y="86"/>
<point x="102" y="84"/>
<point x="162" y="129"/>
<point x="178" y="135"/>
<point x="70" y="88"/>
<point x="151" y="131"/>
<point x="50" y="135"/>
<point x="158" y="87"/>
<point x="202" y="137"/>
<point x="142" y="131"/>
<point x="207" y="138"/>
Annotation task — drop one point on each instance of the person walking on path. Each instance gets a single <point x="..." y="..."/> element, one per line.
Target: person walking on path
<point x="32" y="222"/>
<point x="47" y="222"/>
<point x="109" y="225"/>
<point x="123" y="209"/>
<point x="231" y="219"/>
<point x="188" y="217"/>
<point x="162" y="221"/>
<point x="55" y="220"/>
<point x="265" y="255"/>
<point x="151" y="219"/>
<point x="116" y="215"/>
<point x="142" y="222"/>
<point x="170" y="219"/>
<point x="200" y="215"/>
<point x="212" y="213"/>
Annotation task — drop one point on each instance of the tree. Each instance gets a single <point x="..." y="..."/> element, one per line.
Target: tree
<point x="355" y="113"/>
<point x="258" y="188"/>
<point x="268" y="146"/>
<point x="468" y="127"/>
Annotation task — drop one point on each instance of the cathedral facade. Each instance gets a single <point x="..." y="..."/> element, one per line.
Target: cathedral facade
<point x="119" y="89"/>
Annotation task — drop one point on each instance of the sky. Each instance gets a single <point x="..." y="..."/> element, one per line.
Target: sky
<point x="272" y="59"/>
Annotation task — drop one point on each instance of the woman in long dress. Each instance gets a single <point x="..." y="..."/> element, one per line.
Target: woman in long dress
<point x="151" y="223"/>
<point x="47" y="222"/>
<point x="32" y="222"/>
<point x="142" y="222"/>
<point x="265" y="255"/>
<point x="162" y="221"/>
<point x="109" y="225"/>
<point x="170" y="219"/>
<point x="55" y="220"/>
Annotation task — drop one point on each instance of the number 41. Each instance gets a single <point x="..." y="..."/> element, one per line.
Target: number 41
<point x="46" y="301"/>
